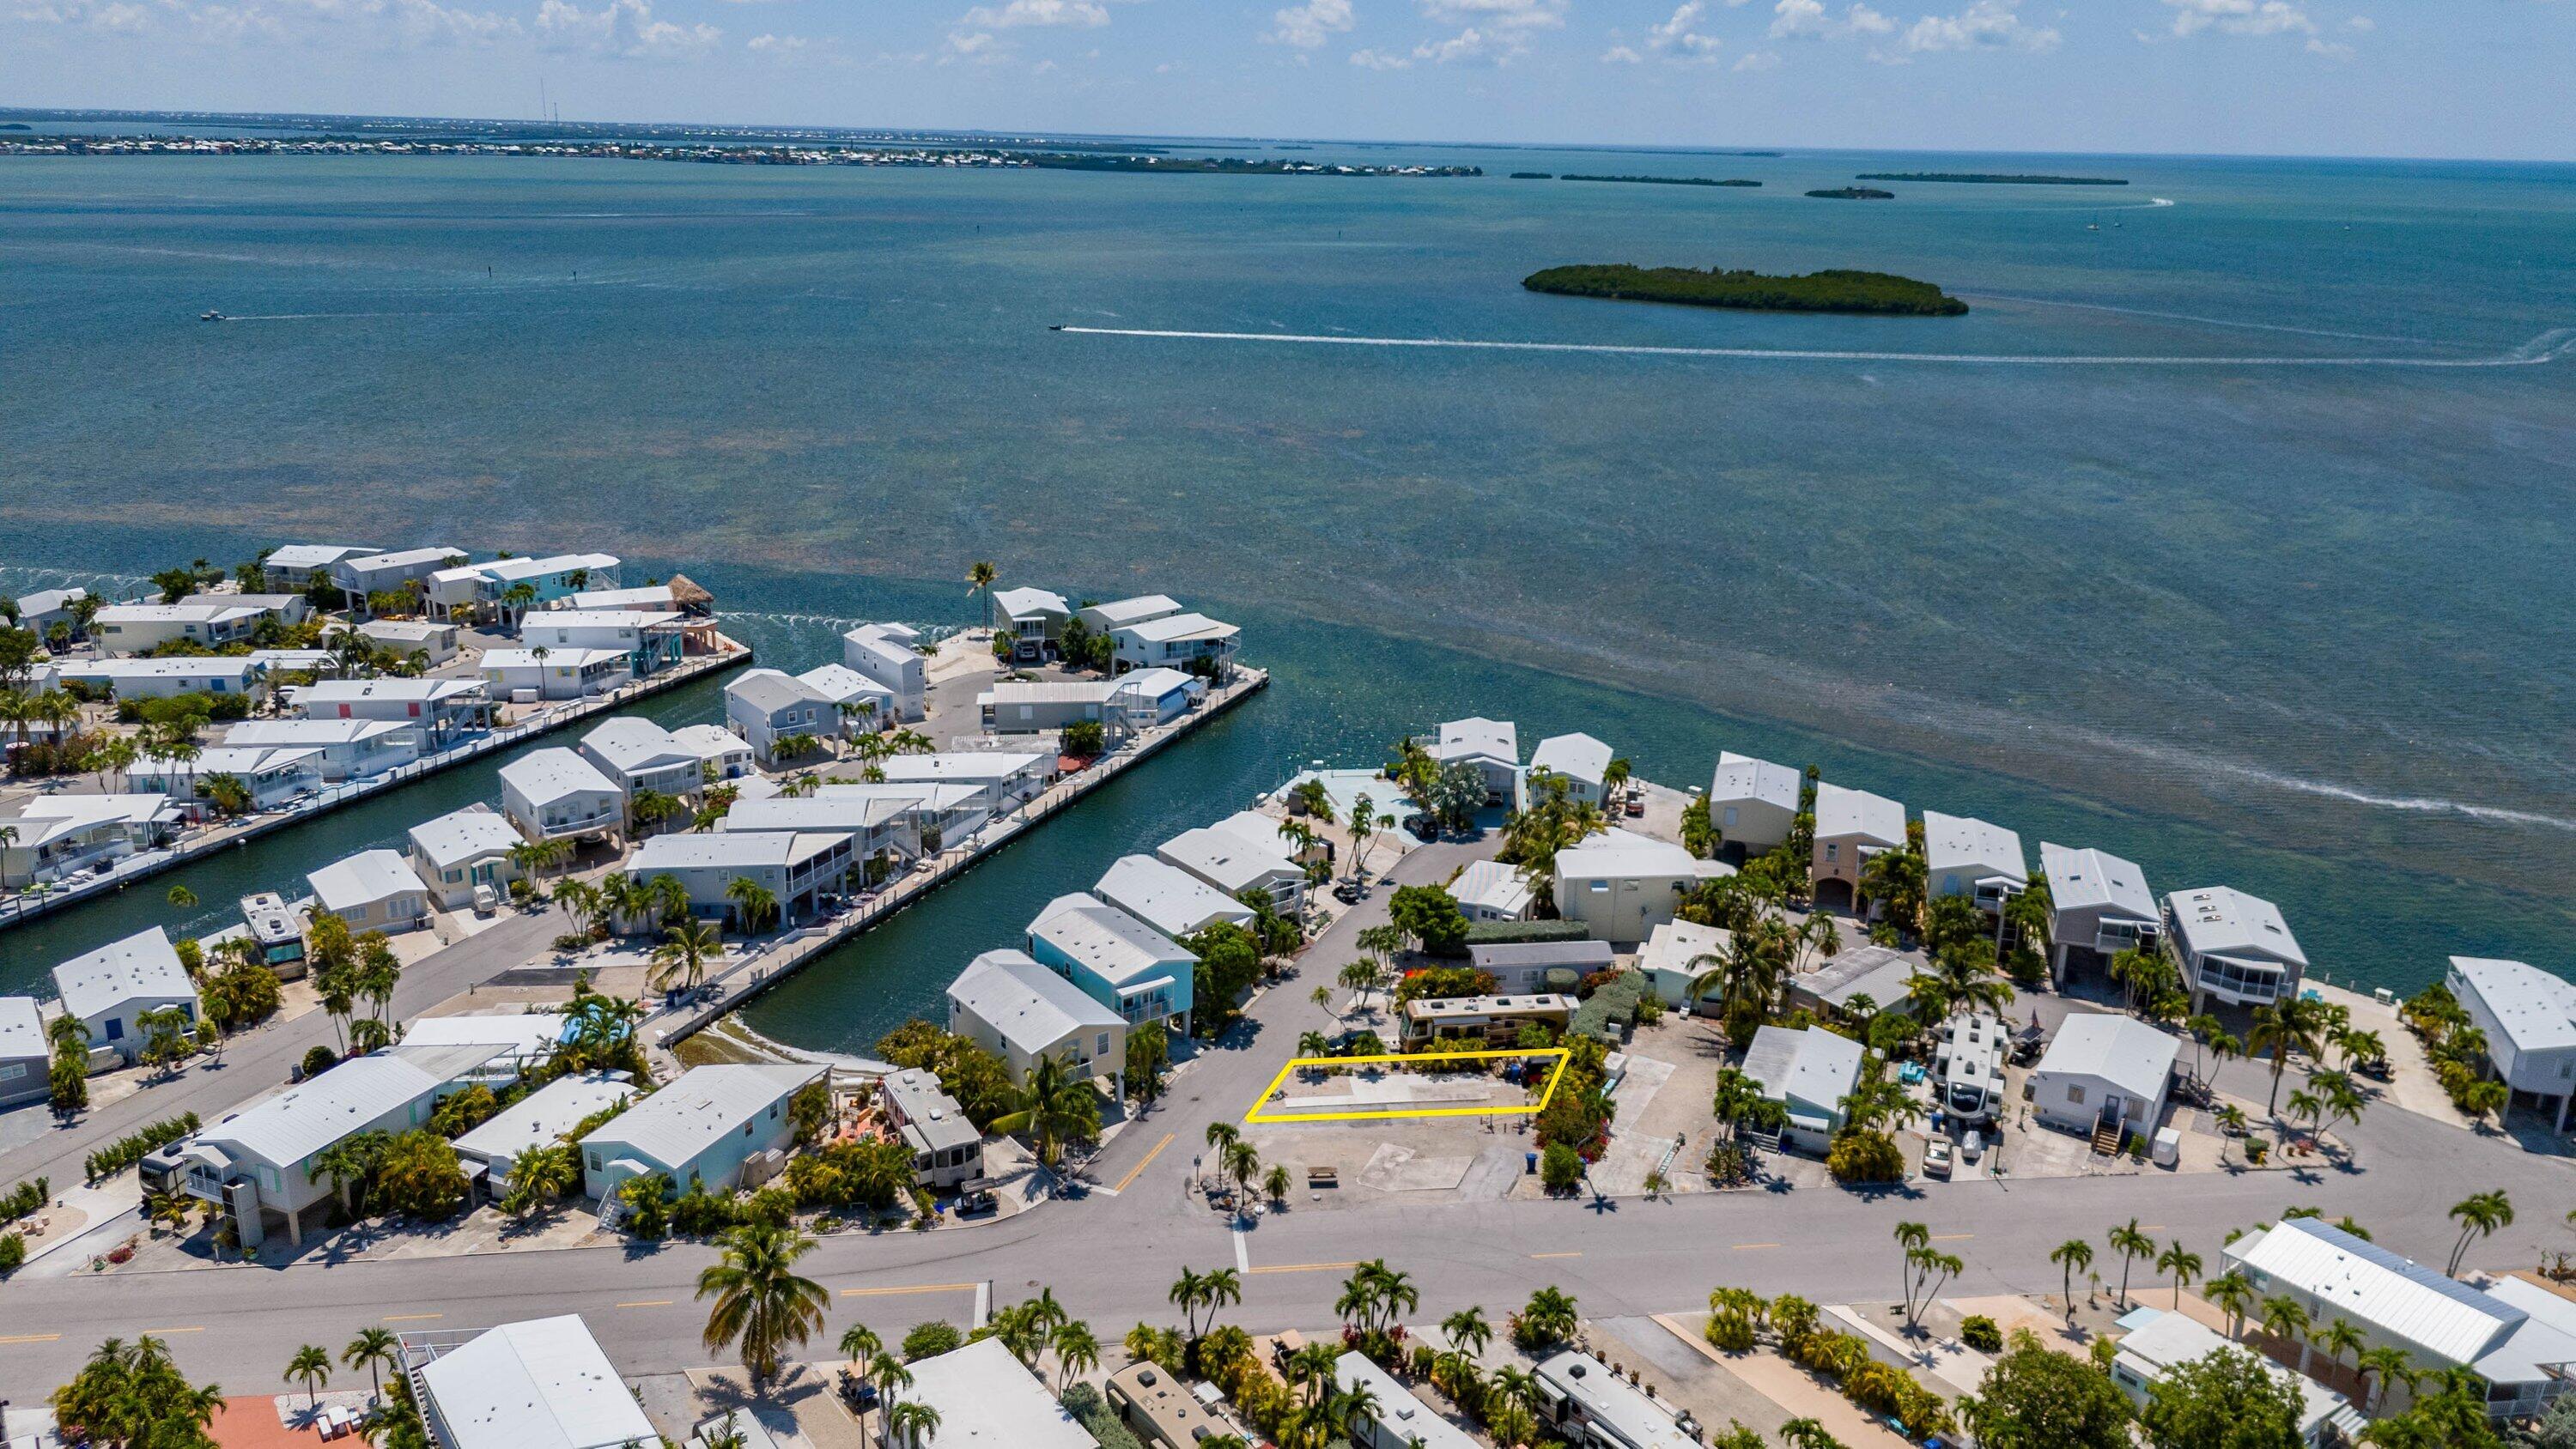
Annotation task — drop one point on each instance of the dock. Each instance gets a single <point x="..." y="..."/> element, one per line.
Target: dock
<point x="775" y="960"/>
<point x="28" y="906"/>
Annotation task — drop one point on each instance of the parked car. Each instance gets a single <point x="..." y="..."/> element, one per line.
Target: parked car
<point x="1936" y="1158"/>
<point x="1348" y="893"/>
<point x="486" y="899"/>
<point x="1975" y="1145"/>
<point x="857" y="1392"/>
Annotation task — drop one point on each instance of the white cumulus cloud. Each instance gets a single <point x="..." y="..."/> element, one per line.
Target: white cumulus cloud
<point x="1019" y="13"/>
<point x="1678" y="38"/>
<point x="1984" y="24"/>
<point x="2240" y="17"/>
<point x="1310" y="25"/>
<point x="1758" y="60"/>
<point x="1621" y="55"/>
<point x="1808" y="20"/>
<point x="1380" y="60"/>
<point x="622" y="27"/>
<point x="1497" y="15"/>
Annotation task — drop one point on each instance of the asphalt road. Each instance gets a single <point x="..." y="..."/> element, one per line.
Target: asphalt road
<point x="1112" y="1254"/>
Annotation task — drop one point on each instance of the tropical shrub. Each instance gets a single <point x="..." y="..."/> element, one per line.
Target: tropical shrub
<point x="929" y="1340"/>
<point x="1979" y="1332"/>
<point x="1858" y="1156"/>
<point x="123" y="1153"/>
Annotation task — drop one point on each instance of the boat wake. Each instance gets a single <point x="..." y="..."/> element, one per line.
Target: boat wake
<point x="2547" y="347"/>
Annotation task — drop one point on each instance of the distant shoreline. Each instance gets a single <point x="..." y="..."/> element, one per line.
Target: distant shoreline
<point x="1869" y="293"/>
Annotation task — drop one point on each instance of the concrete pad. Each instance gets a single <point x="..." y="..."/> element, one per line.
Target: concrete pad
<point x="1396" y="1168"/>
<point x="1792" y="1390"/>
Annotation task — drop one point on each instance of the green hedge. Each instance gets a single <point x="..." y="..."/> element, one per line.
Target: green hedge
<point x="1506" y="933"/>
<point x="1093" y="1412"/>
<point x="23" y="1199"/>
<point x="1614" y="1005"/>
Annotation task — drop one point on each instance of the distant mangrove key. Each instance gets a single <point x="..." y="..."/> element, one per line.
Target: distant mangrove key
<point x="1829" y="291"/>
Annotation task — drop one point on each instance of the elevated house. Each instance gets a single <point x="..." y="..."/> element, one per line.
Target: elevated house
<point x="947" y="1151"/>
<point x="929" y="818"/>
<point x="1973" y="859"/>
<point x="1237" y="866"/>
<point x="765" y="706"/>
<point x="1032" y="619"/>
<point x="1119" y="614"/>
<point x="554" y="794"/>
<point x="1192" y="643"/>
<point x="795" y="867"/>
<point x="542" y="1384"/>
<point x="269" y="777"/>
<point x="1116" y="959"/>
<point x="650" y="599"/>
<point x="2528" y="1017"/>
<point x="2099" y="906"/>
<point x="889" y="654"/>
<point x="1622" y="885"/>
<point x="1143" y="698"/>
<point x="1023" y="1012"/>
<point x="528" y="676"/>
<point x="486" y="588"/>
<point x="1002" y="780"/>
<point x="56" y="837"/>
<point x="409" y="569"/>
<point x="1809" y="1071"/>
<point x="2233" y="947"/>
<point x="1492" y="746"/>
<point x="638" y="755"/>
<point x="521" y="1041"/>
<point x="1168" y="898"/>
<point x="351" y="749"/>
<point x="373" y="890"/>
<point x="651" y="641"/>
<point x="40" y="611"/>
<point x="2104" y="1076"/>
<point x="1582" y="761"/>
<point x="724" y="1126"/>
<point x="859" y="704"/>
<point x="1753" y="804"/>
<point x="290" y="569"/>
<point x="881" y="828"/>
<point x="441" y="709"/>
<point x="1852" y="826"/>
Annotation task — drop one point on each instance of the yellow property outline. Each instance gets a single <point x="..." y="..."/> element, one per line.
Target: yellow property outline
<point x="1261" y="1115"/>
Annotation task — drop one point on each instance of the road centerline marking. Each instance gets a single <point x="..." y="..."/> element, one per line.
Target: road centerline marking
<point x="410" y="1317"/>
<point x="1751" y="1247"/>
<point x="1556" y="1255"/>
<point x="1304" y="1268"/>
<point x="32" y="1338"/>
<point x="910" y="1288"/>
<point x="166" y="1332"/>
<point x="647" y="1303"/>
<point x="1146" y="1161"/>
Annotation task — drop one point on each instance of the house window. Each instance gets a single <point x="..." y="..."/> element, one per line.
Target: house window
<point x="1102" y="1049"/>
<point x="1833" y="851"/>
<point x="1730" y="817"/>
<point x="2075" y="1096"/>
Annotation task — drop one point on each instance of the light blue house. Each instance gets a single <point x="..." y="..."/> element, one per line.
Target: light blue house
<point x="1116" y="959"/>
<point x="704" y="1127"/>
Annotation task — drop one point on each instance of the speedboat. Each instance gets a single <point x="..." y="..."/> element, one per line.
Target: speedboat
<point x="210" y="315"/>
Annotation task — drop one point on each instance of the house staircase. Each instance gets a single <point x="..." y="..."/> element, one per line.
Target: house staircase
<point x="2107" y="1132"/>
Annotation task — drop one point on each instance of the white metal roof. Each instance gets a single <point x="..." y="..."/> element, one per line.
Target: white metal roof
<point x="651" y="599"/>
<point x="841" y="684"/>
<point x="524" y="1036"/>
<point x="565" y="658"/>
<point x="1881" y="973"/>
<point x="1845" y="813"/>
<point x="247" y="761"/>
<point x="142" y="967"/>
<point x="1493" y="886"/>
<point x="932" y="1120"/>
<point x="182" y="613"/>
<point x="1261" y="832"/>
<point x="543" y="1384"/>
<point x="986" y="1400"/>
<point x="2168" y="1340"/>
<point x="1476" y="735"/>
<point x="2542" y="1346"/>
<point x="2222" y="921"/>
<point x="313" y="733"/>
<point x="2536" y="1010"/>
<point x="227" y="666"/>
<point x="1624" y="852"/>
<point x="710" y="742"/>
<point x="1677" y="943"/>
<point x="1115" y="946"/>
<point x="1639" y="1422"/>
<point x="1744" y="778"/>
<point x="1008" y="692"/>
<point x="1155" y="683"/>
<point x="363" y="879"/>
<point x="417" y="631"/>
<point x="816" y="812"/>
<point x="672" y="1126"/>
<point x="1982" y="849"/>
<point x="409" y="691"/>
<point x="555" y="773"/>
<point x="1021" y="603"/>
<point x="635" y="744"/>
<point x="555" y="621"/>
<point x="1166" y="897"/>
<point x="545" y="1115"/>
<point x="22" y="1029"/>
<point x="2372" y="1286"/>
<point x="1226" y="860"/>
<point x="1119" y="613"/>
<point x="1813" y="1065"/>
<point x="310" y="556"/>
<point x="771" y="690"/>
<point x="1578" y="757"/>
<point x="715" y="850"/>
<point x="967" y="765"/>
<point x="1406" y="1419"/>
<point x="304" y="1119"/>
<point x="1030" y="1006"/>
<point x="2120" y="1050"/>
<point x="2095" y="880"/>
<point x="401" y="559"/>
<point x="463" y="835"/>
<point x="508" y="570"/>
<point x="1179" y="628"/>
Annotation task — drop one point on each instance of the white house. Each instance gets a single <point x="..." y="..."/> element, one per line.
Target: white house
<point x="25" y="1055"/>
<point x="1116" y="959"/>
<point x="1677" y="955"/>
<point x="795" y="867"/>
<point x="490" y="1153"/>
<point x="524" y="675"/>
<point x="292" y="567"/>
<point x="374" y="890"/>
<point x="1022" y="1012"/>
<point x="1491" y="745"/>
<point x="1235" y="865"/>
<point x="1175" y="641"/>
<point x="2529" y="1019"/>
<point x="1622" y="885"/>
<point x="351" y="749"/>
<point x="554" y="794"/>
<point x="543" y="1384"/>
<point x="947" y="1151"/>
<point x="2099" y="906"/>
<point x="1965" y="856"/>
<point x="1032" y="619"/>
<point x="1168" y="898"/>
<point x="1753" y="803"/>
<point x="206" y="620"/>
<point x="859" y="704"/>
<point x="406" y="637"/>
<point x="986" y="1400"/>
<point x="887" y="654"/>
<point x="2167" y="1341"/>
<point x="878" y="825"/>
<point x="1863" y="980"/>
<point x="1851" y="827"/>
<point x="765" y="706"/>
<point x="1810" y="1072"/>
<point x="260" y="1162"/>
<point x="163" y="678"/>
<point x="1144" y="698"/>
<point x="1001" y="780"/>
<point x="2100" y="1069"/>
<point x="441" y="708"/>
<point x="932" y="817"/>
<point x="2518" y="1337"/>
<point x="554" y="579"/>
<point x="1581" y="760"/>
<point x="40" y="611"/>
<point x="520" y="1041"/>
<point x="1488" y="890"/>
<point x="1520" y="967"/>
<point x="271" y="777"/>
<point x="2234" y="947"/>
<point x="1398" y="1420"/>
<point x="1042" y="706"/>
<point x="1118" y="614"/>
<point x="638" y="755"/>
<point x="58" y="836"/>
<point x="720" y="1125"/>
<point x="651" y="599"/>
<point x="387" y="573"/>
<point x="113" y="986"/>
<point x="649" y="639"/>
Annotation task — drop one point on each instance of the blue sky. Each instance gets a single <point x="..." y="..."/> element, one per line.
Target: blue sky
<point x="2475" y="78"/>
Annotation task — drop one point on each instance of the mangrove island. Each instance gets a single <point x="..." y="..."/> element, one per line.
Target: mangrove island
<point x="1855" y="193"/>
<point x="1661" y="180"/>
<point x="1830" y="291"/>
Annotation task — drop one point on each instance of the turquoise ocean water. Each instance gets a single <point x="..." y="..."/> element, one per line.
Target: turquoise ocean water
<point x="2301" y="628"/>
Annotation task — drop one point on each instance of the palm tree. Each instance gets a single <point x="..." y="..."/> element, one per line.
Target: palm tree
<point x="379" y="1350"/>
<point x="312" y="1364"/>
<point x="859" y="1344"/>
<point x="1220" y="1136"/>
<point x="2479" y="1215"/>
<point x="2283" y="1318"/>
<point x="1468" y="1327"/>
<point x="1549" y="1314"/>
<point x="2131" y="1244"/>
<point x="2181" y="1265"/>
<point x="2387" y="1365"/>
<point x="1243" y="1164"/>
<point x="759" y="1298"/>
<point x="2233" y="1293"/>
<point x="2074" y="1256"/>
<point x="182" y="897"/>
<point x="756" y="902"/>
<point x="686" y="953"/>
<point x="2292" y="1024"/>
<point x="541" y="1177"/>
<point x="2339" y="1338"/>
<point x="911" y="1424"/>
<point x="1275" y="1185"/>
<point x="1359" y="976"/>
<point x="1807" y="1434"/>
<point x="1055" y="1108"/>
<point x="980" y="576"/>
<point x="1076" y="1352"/>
